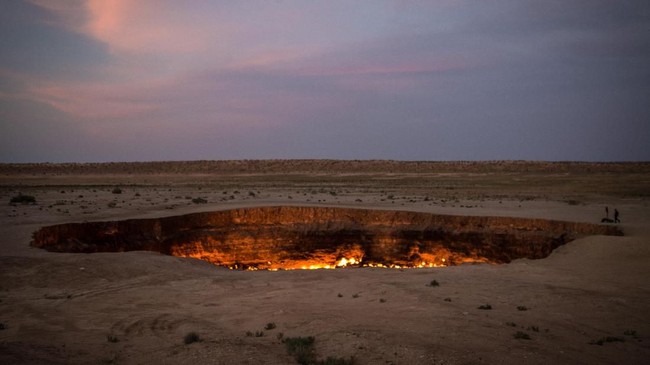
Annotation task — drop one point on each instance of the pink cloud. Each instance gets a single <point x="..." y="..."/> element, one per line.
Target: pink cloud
<point x="159" y="47"/>
<point x="143" y="26"/>
<point x="92" y="101"/>
<point x="277" y="58"/>
<point x="189" y="99"/>
<point x="146" y="26"/>
<point x="371" y="67"/>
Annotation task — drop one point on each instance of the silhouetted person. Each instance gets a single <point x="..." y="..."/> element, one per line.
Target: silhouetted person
<point x="616" y="220"/>
<point x="607" y="212"/>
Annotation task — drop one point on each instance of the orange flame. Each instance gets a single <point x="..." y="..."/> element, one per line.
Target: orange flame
<point x="349" y="258"/>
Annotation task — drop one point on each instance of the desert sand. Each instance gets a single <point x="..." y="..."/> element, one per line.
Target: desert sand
<point x="587" y="303"/>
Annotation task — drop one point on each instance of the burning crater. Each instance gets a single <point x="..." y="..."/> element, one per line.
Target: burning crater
<point x="313" y="237"/>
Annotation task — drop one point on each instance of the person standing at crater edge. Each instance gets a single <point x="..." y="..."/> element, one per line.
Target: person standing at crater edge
<point x="616" y="220"/>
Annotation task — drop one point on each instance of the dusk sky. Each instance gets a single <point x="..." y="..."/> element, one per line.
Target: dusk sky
<point x="143" y="80"/>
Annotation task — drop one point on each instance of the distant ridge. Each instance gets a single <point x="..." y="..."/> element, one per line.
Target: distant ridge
<point x="316" y="167"/>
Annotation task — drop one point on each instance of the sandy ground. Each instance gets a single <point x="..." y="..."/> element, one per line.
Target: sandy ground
<point x="137" y="307"/>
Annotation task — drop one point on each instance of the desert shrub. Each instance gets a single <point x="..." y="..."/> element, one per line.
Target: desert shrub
<point x="433" y="283"/>
<point x="112" y="338"/>
<point x="191" y="338"/>
<point x="199" y="201"/>
<point x="259" y="333"/>
<point x="382" y="300"/>
<point x="269" y="326"/>
<point x="511" y="324"/>
<point x="337" y="361"/>
<point x="116" y="190"/>
<point x="485" y="307"/>
<point x="522" y="308"/>
<point x="249" y="334"/>
<point x="301" y="348"/>
<point x="22" y="199"/>
<point x="614" y="339"/>
<point x="604" y="340"/>
<point x="521" y="335"/>
<point x="2" y="326"/>
<point x="631" y="333"/>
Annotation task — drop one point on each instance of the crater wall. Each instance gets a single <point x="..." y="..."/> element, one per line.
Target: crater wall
<point x="318" y="237"/>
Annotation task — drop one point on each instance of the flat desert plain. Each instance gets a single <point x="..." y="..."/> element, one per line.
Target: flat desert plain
<point x="586" y="303"/>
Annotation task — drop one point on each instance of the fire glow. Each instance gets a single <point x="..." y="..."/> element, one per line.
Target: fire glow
<point x="351" y="262"/>
<point x="311" y="238"/>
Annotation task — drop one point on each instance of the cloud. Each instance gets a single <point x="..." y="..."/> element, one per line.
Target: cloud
<point x="92" y="101"/>
<point x="133" y="26"/>
<point x="394" y="79"/>
<point x="151" y="27"/>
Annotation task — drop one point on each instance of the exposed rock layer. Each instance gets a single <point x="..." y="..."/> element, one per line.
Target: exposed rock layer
<point x="303" y="237"/>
